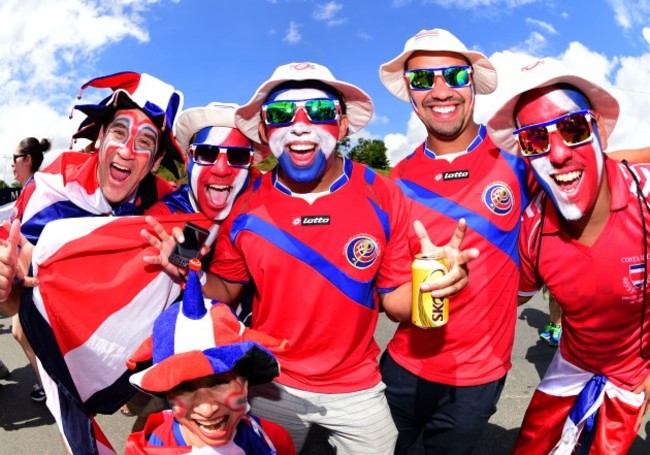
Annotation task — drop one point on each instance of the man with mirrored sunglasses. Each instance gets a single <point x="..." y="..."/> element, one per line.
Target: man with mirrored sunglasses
<point x="444" y="383"/>
<point x="585" y="237"/>
<point x="323" y="240"/>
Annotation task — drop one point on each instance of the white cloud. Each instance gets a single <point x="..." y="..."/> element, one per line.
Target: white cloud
<point x="621" y="13"/>
<point x="293" y="35"/>
<point x="400" y="145"/>
<point x="327" y="13"/>
<point x="545" y="26"/>
<point x="534" y="43"/>
<point x="364" y="35"/>
<point x="47" y="50"/>
<point x="646" y="34"/>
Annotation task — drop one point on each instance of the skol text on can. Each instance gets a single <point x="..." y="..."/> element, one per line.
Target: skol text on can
<point x="428" y="312"/>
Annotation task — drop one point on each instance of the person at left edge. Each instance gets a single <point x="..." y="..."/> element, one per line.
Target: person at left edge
<point x="131" y="135"/>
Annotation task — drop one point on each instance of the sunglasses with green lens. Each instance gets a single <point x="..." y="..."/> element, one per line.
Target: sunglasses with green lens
<point x="282" y="113"/>
<point x="425" y="78"/>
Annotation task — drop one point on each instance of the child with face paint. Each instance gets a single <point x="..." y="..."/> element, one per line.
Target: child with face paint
<point x="203" y="362"/>
<point x="323" y="240"/>
<point x="585" y="237"/>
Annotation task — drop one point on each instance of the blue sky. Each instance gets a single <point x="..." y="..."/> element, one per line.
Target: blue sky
<point x="217" y="50"/>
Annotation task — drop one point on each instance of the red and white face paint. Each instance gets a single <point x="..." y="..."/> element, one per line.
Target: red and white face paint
<point x="127" y="153"/>
<point x="571" y="175"/>
<point x="210" y="408"/>
<point x="214" y="187"/>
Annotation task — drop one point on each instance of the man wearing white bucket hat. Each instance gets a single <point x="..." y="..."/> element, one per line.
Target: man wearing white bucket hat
<point x="445" y="383"/>
<point x="586" y="238"/>
<point x="321" y="238"/>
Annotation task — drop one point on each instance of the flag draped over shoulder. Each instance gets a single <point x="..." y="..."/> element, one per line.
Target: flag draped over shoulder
<point x="95" y="303"/>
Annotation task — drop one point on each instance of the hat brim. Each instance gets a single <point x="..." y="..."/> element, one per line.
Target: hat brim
<point x="484" y="75"/>
<point x="358" y="104"/>
<point x="502" y="124"/>
<point x="192" y="120"/>
<point x="253" y="361"/>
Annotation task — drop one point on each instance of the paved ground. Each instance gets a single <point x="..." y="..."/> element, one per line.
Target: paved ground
<point x="27" y="428"/>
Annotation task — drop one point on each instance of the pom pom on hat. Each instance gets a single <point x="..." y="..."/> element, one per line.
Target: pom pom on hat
<point x="190" y="341"/>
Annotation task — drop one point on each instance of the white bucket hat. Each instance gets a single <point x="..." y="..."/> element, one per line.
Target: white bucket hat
<point x="358" y="104"/>
<point x="193" y="120"/>
<point x="437" y="40"/>
<point x="543" y="73"/>
<point x="215" y="114"/>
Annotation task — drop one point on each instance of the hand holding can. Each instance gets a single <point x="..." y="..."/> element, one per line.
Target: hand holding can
<point x="429" y="311"/>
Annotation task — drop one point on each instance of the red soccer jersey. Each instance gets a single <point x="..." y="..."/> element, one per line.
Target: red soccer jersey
<point x="317" y="268"/>
<point x="600" y="288"/>
<point x="488" y="188"/>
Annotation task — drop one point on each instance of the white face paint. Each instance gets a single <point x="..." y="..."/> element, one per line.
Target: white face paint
<point x="302" y="140"/>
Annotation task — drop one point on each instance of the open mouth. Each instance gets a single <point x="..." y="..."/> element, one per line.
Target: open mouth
<point x="567" y="181"/>
<point x="301" y="154"/>
<point x="119" y="173"/>
<point x="213" y="427"/>
<point x="443" y="110"/>
<point x="218" y="194"/>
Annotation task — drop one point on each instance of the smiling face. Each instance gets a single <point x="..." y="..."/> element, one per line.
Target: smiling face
<point x="127" y="153"/>
<point x="209" y="408"/>
<point x="571" y="176"/>
<point x="447" y="113"/>
<point x="215" y="186"/>
<point x="305" y="150"/>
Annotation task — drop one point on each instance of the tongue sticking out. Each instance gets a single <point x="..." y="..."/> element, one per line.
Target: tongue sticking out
<point x="218" y="196"/>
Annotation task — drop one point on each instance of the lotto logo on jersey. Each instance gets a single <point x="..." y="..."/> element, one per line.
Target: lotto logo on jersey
<point x="361" y="251"/>
<point x="453" y="175"/>
<point x="318" y="220"/>
<point x="498" y="197"/>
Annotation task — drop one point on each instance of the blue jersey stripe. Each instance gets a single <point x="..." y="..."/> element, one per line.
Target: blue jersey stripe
<point x="506" y="241"/>
<point x="359" y="291"/>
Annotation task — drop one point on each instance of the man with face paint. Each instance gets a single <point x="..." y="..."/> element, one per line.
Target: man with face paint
<point x="131" y="135"/>
<point x="203" y="363"/>
<point x="585" y="237"/>
<point x="219" y="165"/>
<point x="323" y="240"/>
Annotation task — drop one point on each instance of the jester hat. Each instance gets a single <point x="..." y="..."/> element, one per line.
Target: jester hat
<point x="190" y="341"/>
<point x="157" y="99"/>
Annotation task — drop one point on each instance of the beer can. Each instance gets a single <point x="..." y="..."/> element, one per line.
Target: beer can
<point x="428" y="312"/>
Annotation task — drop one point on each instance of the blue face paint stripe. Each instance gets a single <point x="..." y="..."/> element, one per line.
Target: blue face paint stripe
<point x="506" y="241"/>
<point x="360" y="292"/>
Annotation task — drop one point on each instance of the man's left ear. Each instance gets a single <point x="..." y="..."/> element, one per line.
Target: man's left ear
<point x="343" y="127"/>
<point x="157" y="161"/>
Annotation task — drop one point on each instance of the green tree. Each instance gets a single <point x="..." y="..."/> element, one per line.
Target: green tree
<point x="370" y="152"/>
<point x="343" y="146"/>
